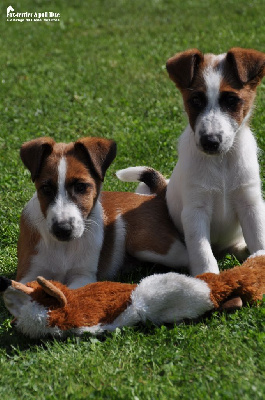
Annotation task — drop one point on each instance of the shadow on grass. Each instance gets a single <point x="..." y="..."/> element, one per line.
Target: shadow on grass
<point x="135" y="270"/>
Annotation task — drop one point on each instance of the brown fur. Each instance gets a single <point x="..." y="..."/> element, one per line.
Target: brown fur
<point x="248" y="65"/>
<point x="183" y="67"/>
<point x="79" y="170"/>
<point x="100" y="152"/>
<point x="34" y="152"/>
<point x="27" y="242"/>
<point x="246" y="281"/>
<point x="107" y="247"/>
<point x="243" y="71"/>
<point x="148" y="225"/>
<point x="97" y="303"/>
<point x="247" y="96"/>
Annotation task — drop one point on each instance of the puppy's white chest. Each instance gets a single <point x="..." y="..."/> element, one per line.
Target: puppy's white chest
<point x="224" y="224"/>
<point x="59" y="260"/>
<point x="218" y="188"/>
<point x="54" y="261"/>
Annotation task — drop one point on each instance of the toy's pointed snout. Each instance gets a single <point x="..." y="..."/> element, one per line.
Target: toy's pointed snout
<point x="4" y="283"/>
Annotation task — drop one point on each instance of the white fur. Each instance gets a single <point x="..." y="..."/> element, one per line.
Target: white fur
<point x="33" y="322"/>
<point x="131" y="174"/>
<point x="165" y="298"/>
<point x="73" y="263"/>
<point x="177" y="256"/>
<point x="31" y="317"/>
<point x="171" y="297"/>
<point x="63" y="209"/>
<point x="215" y="200"/>
<point x="143" y="189"/>
<point x="62" y="170"/>
<point x="257" y="254"/>
<point x="213" y="120"/>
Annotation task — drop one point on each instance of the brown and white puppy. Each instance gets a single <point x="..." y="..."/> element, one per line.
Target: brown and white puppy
<point x="214" y="193"/>
<point x="73" y="233"/>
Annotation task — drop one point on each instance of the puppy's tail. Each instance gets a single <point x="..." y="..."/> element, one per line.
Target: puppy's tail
<point x="151" y="181"/>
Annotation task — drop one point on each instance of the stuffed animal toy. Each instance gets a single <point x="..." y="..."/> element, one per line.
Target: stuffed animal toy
<point x="45" y="307"/>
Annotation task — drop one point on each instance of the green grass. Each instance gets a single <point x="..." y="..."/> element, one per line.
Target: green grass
<point x="101" y="71"/>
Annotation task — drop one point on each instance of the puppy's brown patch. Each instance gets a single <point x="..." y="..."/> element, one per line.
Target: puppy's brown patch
<point x="26" y="249"/>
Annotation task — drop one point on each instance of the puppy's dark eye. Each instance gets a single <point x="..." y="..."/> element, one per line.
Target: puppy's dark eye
<point x="198" y="101"/>
<point x="230" y="101"/>
<point x="80" y="187"/>
<point x="47" y="190"/>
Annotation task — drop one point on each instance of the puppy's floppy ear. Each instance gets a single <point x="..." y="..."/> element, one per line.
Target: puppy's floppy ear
<point x="183" y="66"/>
<point x="33" y="153"/>
<point x="99" y="153"/>
<point x="248" y="64"/>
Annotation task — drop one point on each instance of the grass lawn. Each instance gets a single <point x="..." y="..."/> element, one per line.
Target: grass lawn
<point x="101" y="71"/>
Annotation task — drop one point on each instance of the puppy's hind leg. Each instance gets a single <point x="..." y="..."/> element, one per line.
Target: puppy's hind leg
<point x="176" y="257"/>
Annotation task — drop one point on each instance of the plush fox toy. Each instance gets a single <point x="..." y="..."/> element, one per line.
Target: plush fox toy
<point x="45" y="307"/>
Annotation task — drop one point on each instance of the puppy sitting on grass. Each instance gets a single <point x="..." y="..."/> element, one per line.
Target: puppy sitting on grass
<point x="214" y="193"/>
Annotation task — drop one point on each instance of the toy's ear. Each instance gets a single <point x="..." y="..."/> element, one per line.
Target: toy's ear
<point x="183" y="66"/>
<point x="52" y="290"/>
<point x="99" y="153"/>
<point x="33" y="153"/>
<point x="248" y="65"/>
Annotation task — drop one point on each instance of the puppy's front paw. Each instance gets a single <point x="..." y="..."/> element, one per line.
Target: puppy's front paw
<point x="258" y="253"/>
<point x="199" y="269"/>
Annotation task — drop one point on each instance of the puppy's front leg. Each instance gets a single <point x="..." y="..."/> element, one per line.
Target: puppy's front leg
<point x="251" y="213"/>
<point x="196" y="226"/>
<point x="78" y="280"/>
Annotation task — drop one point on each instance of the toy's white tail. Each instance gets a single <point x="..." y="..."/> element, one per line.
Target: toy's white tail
<point x="151" y="181"/>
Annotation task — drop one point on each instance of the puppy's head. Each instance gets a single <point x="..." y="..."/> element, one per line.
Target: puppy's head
<point x="218" y="93"/>
<point x="68" y="179"/>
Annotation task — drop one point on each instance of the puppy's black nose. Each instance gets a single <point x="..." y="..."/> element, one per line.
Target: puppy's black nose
<point x="211" y="143"/>
<point x="62" y="230"/>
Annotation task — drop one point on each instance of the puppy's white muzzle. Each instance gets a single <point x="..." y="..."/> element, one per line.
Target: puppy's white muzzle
<point x="65" y="221"/>
<point x="215" y="132"/>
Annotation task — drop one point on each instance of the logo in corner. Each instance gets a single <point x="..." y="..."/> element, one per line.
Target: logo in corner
<point x="9" y="10"/>
<point x="47" y="16"/>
